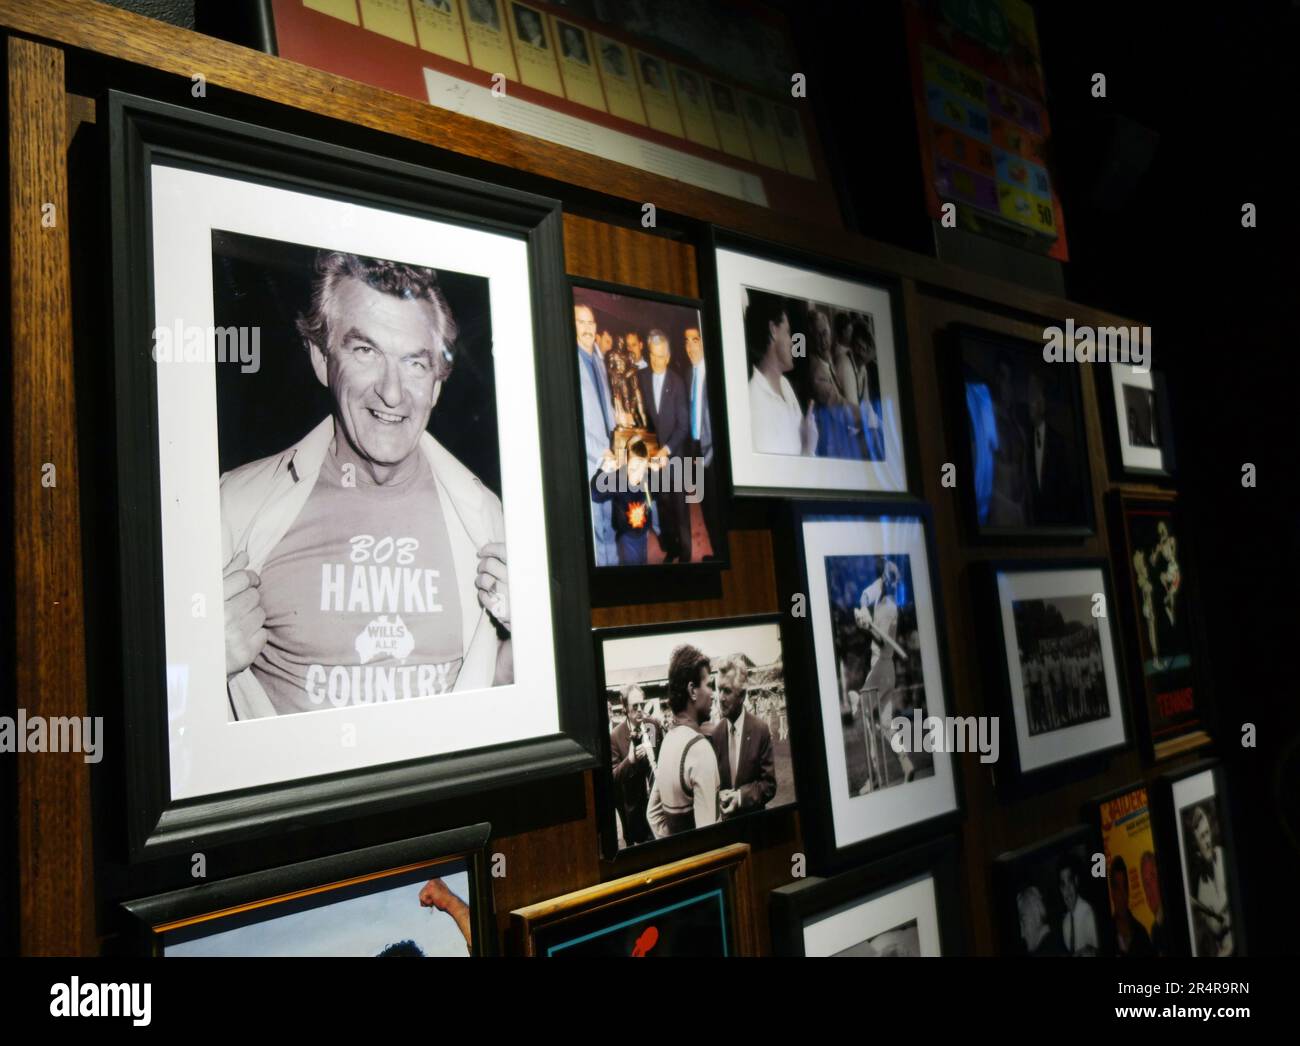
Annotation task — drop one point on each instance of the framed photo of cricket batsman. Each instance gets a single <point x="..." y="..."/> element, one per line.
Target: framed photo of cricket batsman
<point x="1054" y="664"/>
<point x="1161" y="623"/>
<point x="875" y="736"/>
<point x="340" y="506"/>
<point x="698" y="728"/>
<point x="698" y="907"/>
<point x="814" y="365"/>
<point x="1195" y="823"/>
<point x="907" y="905"/>
<point x="655" y="456"/>
<point x="417" y="898"/>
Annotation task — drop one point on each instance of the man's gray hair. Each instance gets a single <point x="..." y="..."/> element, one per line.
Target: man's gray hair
<point x="415" y="282"/>
<point x="730" y="666"/>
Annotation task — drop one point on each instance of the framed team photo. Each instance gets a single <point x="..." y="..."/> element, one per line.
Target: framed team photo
<point x="1161" y="621"/>
<point x="328" y="398"/>
<point x="418" y="898"/>
<point x="1027" y="448"/>
<point x="904" y="905"/>
<point x="1135" y="876"/>
<point x="1048" y="902"/>
<point x="1143" y="431"/>
<point x="813" y="361"/>
<point x="654" y="456"/>
<point x="698" y="907"/>
<point x="1055" y="663"/>
<point x="698" y="727"/>
<point x="869" y="655"/>
<point x="1198" y="828"/>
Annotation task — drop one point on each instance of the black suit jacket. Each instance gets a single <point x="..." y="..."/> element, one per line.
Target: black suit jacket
<point x="672" y="419"/>
<point x="1055" y="498"/>
<point x="755" y="769"/>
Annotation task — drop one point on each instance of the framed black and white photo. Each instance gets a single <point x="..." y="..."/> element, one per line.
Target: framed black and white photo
<point x="418" y="898"/>
<point x="329" y="368"/>
<point x="1054" y="662"/>
<point x="655" y="460"/>
<point x="813" y="362"/>
<point x="1143" y="434"/>
<point x="865" y="647"/>
<point x="699" y="727"/>
<point x="1027" y="448"/>
<point x="1047" y="901"/>
<point x="1197" y="826"/>
<point x="906" y="904"/>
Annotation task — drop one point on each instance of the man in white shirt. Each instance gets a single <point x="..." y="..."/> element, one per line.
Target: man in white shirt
<point x="1079" y="925"/>
<point x="685" y="792"/>
<point x="775" y="423"/>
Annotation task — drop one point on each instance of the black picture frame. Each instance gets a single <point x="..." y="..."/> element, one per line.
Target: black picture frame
<point x="1009" y="775"/>
<point x="825" y="853"/>
<point x="658" y="582"/>
<point x="1009" y="870"/>
<point x="1121" y="502"/>
<point x="1165" y="819"/>
<point x="701" y="838"/>
<point x="960" y="338"/>
<point x="141" y="132"/>
<point x="1114" y="431"/>
<point x="153" y="916"/>
<point x="715" y="237"/>
<point x="792" y="907"/>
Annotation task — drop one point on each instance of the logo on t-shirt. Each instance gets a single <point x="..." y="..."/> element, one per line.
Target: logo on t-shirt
<point x="384" y="638"/>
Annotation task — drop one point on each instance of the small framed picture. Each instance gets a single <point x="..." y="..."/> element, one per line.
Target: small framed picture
<point x="424" y="897"/>
<point x="1143" y="433"/>
<point x="1027" y="445"/>
<point x="1161" y="622"/>
<point x="1049" y="903"/>
<point x="906" y="904"/>
<point x="813" y="362"/>
<point x="699" y="728"/>
<point x="700" y="907"/>
<point x="654" y="458"/>
<point x="1198" y="828"/>
<point x="867" y="650"/>
<point x="1055" y="662"/>
<point x="1135" y="876"/>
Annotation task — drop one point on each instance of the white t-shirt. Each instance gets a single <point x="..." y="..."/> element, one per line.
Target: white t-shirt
<point x="774" y="420"/>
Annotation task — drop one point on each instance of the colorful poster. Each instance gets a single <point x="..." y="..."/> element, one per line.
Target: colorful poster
<point x="1133" y="875"/>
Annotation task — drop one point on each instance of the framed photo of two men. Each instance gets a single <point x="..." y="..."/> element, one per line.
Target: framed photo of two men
<point x="654" y="456"/>
<point x="340" y="505"/>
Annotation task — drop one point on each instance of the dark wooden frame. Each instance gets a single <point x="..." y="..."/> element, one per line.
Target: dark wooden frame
<point x="1122" y="551"/>
<point x="1165" y="822"/>
<point x="604" y="779"/>
<point x="1013" y="779"/>
<point x="793" y="906"/>
<point x="715" y="238"/>
<point x="142" y="131"/>
<point x="963" y="335"/>
<point x="825" y="855"/>
<point x="655" y="582"/>
<point x="155" y="915"/>
<point x="733" y="860"/>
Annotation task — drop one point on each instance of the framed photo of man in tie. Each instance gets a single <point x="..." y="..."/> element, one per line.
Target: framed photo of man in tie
<point x="654" y="455"/>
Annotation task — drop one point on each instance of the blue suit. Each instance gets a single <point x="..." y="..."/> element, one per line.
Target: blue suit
<point x="703" y="449"/>
<point x="671" y="421"/>
<point x="597" y="426"/>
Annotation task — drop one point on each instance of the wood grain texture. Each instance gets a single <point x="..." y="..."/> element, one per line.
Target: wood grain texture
<point x="133" y="38"/>
<point x="56" y="898"/>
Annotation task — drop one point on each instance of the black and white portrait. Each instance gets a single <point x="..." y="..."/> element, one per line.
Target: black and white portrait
<point x="1140" y="413"/>
<point x="1142" y="432"/>
<point x="528" y="26"/>
<point x="688" y="88"/>
<point x="484" y="13"/>
<point x="613" y="58"/>
<point x="900" y="941"/>
<point x="902" y="920"/>
<point x="652" y="73"/>
<point x="1050" y="904"/>
<point x="724" y="101"/>
<point x="699" y="726"/>
<point x="1206" y="878"/>
<point x="573" y="43"/>
<point x="1059" y="647"/>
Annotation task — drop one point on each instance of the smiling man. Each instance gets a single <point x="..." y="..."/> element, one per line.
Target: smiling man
<point x="365" y="564"/>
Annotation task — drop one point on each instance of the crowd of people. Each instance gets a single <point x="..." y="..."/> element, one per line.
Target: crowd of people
<point x="1064" y="681"/>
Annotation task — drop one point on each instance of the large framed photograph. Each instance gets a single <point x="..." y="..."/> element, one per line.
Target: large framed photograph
<point x="418" y="898"/>
<point x="813" y="361"/>
<point x="329" y="367"/>
<point x="1048" y="902"/>
<point x="1054" y="663"/>
<point x="1161" y="623"/>
<point x="1134" y="874"/>
<point x="1142" y="437"/>
<point x="699" y="907"/>
<point x="906" y="904"/>
<point x="865" y="646"/>
<point x="655" y="462"/>
<point x="1198" y="827"/>
<point x="1027" y="458"/>
<point x="699" y="727"/>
